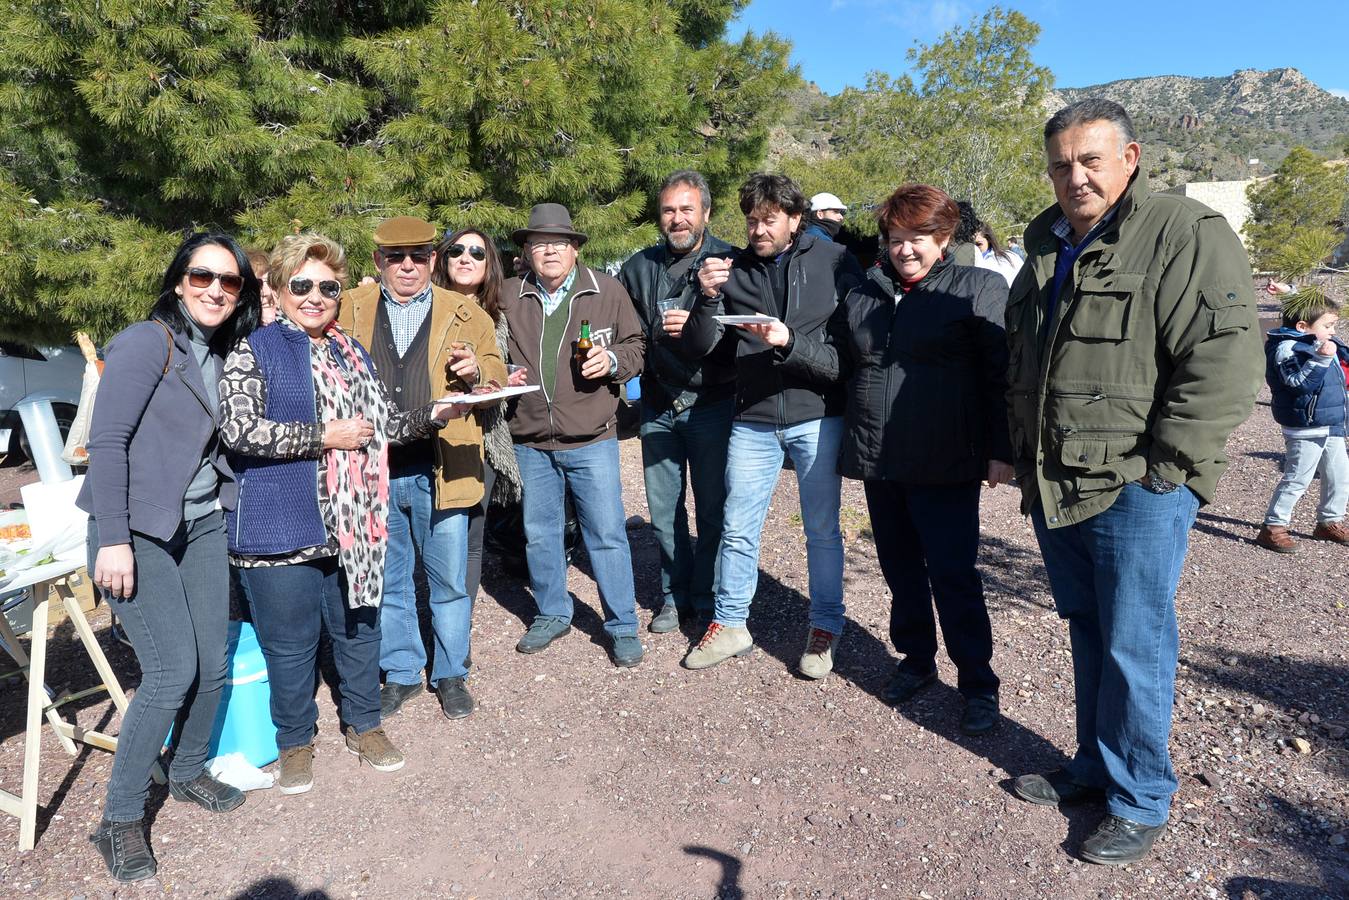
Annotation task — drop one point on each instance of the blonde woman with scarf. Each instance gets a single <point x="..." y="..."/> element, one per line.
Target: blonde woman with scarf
<point x="310" y="426"/>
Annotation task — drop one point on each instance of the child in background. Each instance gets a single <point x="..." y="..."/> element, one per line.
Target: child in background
<point x="1307" y="369"/>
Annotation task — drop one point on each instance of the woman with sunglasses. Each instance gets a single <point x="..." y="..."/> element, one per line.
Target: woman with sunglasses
<point x="158" y="479"/>
<point x="310" y="427"/>
<point x="467" y="262"/>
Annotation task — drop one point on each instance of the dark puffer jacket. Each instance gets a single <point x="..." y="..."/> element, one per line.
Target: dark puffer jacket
<point x="926" y="400"/>
<point x="780" y="385"/>
<point x="1306" y="390"/>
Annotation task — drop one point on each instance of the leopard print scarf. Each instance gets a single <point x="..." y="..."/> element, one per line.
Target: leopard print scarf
<point x="357" y="481"/>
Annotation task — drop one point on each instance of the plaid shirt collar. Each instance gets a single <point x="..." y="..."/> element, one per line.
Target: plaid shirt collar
<point x="552" y="301"/>
<point x="1063" y="230"/>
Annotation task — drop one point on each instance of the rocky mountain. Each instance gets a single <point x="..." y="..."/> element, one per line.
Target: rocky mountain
<point x="1192" y="129"/>
<point x="1209" y="129"/>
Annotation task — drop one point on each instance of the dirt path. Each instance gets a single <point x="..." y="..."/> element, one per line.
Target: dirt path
<point x="575" y="779"/>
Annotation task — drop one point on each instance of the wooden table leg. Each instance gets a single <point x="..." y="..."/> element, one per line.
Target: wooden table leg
<point x="12" y="640"/>
<point x="32" y="742"/>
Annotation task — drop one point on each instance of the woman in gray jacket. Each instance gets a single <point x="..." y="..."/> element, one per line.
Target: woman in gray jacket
<point x="157" y="483"/>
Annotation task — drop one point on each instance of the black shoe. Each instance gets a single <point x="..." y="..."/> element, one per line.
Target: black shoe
<point x="207" y="792"/>
<point x="393" y="695"/>
<point x="543" y="632"/>
<point x="981" y="714"/>
<point x="626" y="651"/>
<point x="455" y="700"/>
<point x="905" y="684"/>
<point x="1054" y="788"/>
<point x="1118" y="842"/>
<point x="125" y="850"/>
<point x="666" y="620"/>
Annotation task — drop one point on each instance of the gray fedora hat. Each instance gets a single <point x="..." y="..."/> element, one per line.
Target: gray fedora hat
<point x="548" y="219"/>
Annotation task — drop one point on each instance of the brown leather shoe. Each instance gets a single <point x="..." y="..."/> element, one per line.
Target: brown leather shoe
<point x="1331" y="531"/>
<point x="1277" y="538"/>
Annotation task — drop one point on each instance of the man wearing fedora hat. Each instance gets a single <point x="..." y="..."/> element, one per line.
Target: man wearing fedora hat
<point x="425" y="342"/>
<point x="566" y="432"/>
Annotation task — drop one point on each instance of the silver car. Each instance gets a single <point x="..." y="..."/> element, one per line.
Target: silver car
<point x="52" y="372"/>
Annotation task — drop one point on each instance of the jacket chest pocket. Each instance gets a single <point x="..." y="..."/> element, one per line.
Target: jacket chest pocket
<point x="1101" y="311"/>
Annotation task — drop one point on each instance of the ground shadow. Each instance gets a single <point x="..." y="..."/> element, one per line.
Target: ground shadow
<point x="1206" y="523"/>
<point x="1334" y="876"/>
<point x="278" y="889"/>
<point x="728" y="887"/>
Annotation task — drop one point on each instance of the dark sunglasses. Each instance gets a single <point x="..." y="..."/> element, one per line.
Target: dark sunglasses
<point x="300" y="287"/>
<point x="396" y="257"/>
<point x="202" y="278"/>
<point x="454" y="251"/>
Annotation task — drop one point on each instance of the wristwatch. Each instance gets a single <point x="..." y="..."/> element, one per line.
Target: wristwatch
<point x="1157" y="484"/>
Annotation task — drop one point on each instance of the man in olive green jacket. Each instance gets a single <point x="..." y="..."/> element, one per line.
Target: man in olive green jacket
<point x="1134" y="352"/>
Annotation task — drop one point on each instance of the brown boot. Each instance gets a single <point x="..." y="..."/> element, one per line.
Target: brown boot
<point x="1331" y="531"/>
<point x="1276" y="538"/>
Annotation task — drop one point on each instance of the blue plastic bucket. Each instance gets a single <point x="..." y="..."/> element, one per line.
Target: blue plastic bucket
<point x="243" y="723"/>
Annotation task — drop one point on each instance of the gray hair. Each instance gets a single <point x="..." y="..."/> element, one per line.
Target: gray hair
<point x="692" y="179"/>
<point x="1093" y="109"/>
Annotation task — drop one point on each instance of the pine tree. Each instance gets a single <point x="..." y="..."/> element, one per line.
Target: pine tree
<point x="1291" y="229"/>
<point x="124" y="124"/>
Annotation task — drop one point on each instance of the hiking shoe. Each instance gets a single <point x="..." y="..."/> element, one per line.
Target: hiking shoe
<point x="720" y="642"/>
<point x="297" y="769"/>
<point x="626" y="650"/>
<point x="1337" y="532"/>
<point x="1118" y="841"/>
<point x="1276" y="538"/>
<point x="981" y="714"/>
<point x="904" y="685"/>
<point x="818" y="659"/>
<point x="455" y="700"/>
<point x="666" y="620"/>
<point x="374" y="747"/>
<point x="125" y="850"/>
<point x="1054" y="788"/>
<point x="543" y="632"/>
<point x="208" y="792"/>
<point x="393" y="695"/>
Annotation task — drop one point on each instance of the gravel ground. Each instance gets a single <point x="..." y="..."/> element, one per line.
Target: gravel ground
<point x="576" y="779"/>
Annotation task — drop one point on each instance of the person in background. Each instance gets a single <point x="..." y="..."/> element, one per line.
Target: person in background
<point x="566" y="432"/>
<point x="157" y="482"/>
<point x="258" y="260"/>
<point x="993" y="256"/>
<point x="963" y="250"/>
<point x="1306" y="368"/>
<point x="1014" y="246"/>
<point x="789" y="402"/>
<point x="825" y="217"/>
<point x="426" y="341"/>
<point x="467" y="262"/>
<point x="927" y="420"/>
<point x="1134" y="352"/>
<point x="309" y="425"/>
<point x="686" y="404"/>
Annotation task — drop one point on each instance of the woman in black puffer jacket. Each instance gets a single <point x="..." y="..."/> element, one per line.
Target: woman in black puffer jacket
<point x="927" y="421"/>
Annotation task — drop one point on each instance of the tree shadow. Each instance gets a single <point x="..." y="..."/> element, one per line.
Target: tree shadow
<point x="1334" y="876"/>
<point x="728" y="887"/>
<point x="278" y="888"/>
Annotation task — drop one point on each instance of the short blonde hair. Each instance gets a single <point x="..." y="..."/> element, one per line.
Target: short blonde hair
<point x="296" y="249"/>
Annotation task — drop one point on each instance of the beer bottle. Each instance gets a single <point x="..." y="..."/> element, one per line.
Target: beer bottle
<point x="584" y="344"/>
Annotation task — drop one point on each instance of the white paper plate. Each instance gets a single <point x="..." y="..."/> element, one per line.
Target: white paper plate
<point x="495" y="395"/>
<point x="746" y="320"/>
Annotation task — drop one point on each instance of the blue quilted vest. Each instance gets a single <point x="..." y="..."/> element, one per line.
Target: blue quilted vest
<point x="278" y="509"/>
<point x="1320" y="402"/>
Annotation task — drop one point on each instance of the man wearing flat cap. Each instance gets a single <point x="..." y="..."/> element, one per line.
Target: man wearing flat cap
<point x="566" y="432"/>
<point x="426" y="342"/>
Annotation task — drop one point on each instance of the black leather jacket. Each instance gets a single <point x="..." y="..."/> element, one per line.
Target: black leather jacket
<point x="671" y="376"/>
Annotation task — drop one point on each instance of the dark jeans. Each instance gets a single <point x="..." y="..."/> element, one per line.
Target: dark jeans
<point x="177" y="621"/>
<point x="477" y="521"/>
<point x="681" y="450"/>
<point x="927" y="542"/>
<point x="1114" y="579"/>
<point x="291" y="606"/>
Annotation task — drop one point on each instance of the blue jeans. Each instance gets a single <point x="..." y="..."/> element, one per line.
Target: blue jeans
<point x="441" y="537"/>
<point x="755" y="458"/>
<point x="177" y="621"/>
<point x="1303" y="459"/>
<point x="291" y="605"/>
<point x="679" y="450"/>
<point x="1114" y="579"/>
<point x="597" y="492"/>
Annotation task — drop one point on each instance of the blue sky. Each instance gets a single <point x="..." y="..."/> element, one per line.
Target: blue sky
<point x="836" y="42"/>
